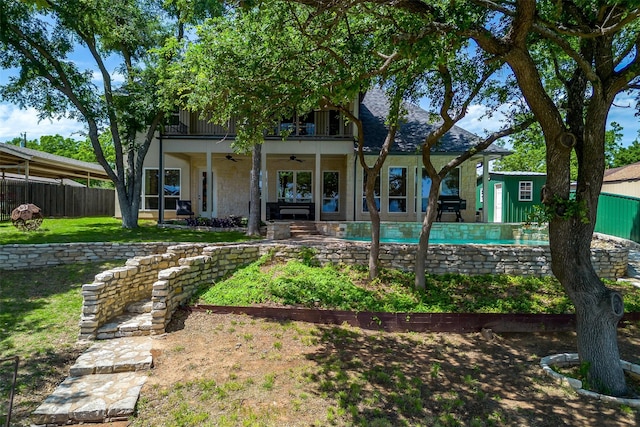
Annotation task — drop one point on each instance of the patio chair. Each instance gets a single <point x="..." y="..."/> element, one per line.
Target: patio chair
<point x="184" y="208"/>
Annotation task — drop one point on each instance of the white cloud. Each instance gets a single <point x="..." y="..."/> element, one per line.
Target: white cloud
<point x="14" y="121"/>
<point x="623" y="112"/>
<point x="117" y="78"/>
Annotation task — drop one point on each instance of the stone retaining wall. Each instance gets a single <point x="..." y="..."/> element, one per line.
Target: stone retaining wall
<point x="610" y="263"/>
<point x="114" y="289"/>
<point x="18" y="257"/>
<point x="171" y="278"/>
<point x="176" y="285"/>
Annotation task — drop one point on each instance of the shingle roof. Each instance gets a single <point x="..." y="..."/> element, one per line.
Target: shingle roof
<point x="624" y="173"/>
<point x="374" y="109"/>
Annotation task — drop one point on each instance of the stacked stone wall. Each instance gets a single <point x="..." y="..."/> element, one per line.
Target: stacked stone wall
<point x="610" y="263"/>
<point x="171" y="278"/>
<point x="176" y="285"/>
<point x="18" y="257"/>
<point x="112" y="290"/>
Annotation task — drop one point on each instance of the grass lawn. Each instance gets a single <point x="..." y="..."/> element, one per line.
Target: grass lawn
<point x="346" y="288"/>
<point x="107" y="229"/>
<point x="39" y="322"/>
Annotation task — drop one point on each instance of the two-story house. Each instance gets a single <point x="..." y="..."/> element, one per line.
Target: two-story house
<point x="315" y="167"/>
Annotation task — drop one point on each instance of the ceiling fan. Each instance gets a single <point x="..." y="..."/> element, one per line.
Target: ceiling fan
<point x="292" y="157"/>
<point x="230" y="157"/>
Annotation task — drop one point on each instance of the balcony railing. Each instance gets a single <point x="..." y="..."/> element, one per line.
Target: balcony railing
<point x="322" y="125"/>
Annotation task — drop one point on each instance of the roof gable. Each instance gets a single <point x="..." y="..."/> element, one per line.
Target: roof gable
<point x="374" y="110"/>
<point x="624" y="173"/>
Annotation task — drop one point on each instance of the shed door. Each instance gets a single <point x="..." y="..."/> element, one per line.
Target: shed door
<point x="497" y="202"/>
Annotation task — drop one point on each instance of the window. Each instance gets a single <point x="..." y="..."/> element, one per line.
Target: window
<point x="525" y="193"/>
<point x="294" y="186"/>
<point x="424" y="194"/>
<point x="334" y="122"/>
<point x="171" y="188"/>
<point x="376" y="193"/>
<point x="299" y="125"/>
<point x="331" y="192"/>
<point x="451" y="183"/>
<point x="397" y="189"/>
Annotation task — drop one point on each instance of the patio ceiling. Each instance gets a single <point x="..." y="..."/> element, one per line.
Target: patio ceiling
<point x="28" y="162"/>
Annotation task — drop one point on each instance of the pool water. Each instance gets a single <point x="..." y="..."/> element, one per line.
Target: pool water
<point x="523" y="242"/>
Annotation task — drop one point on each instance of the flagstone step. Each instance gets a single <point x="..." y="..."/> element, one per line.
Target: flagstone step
<point x="91" y="399"/>
<point x="126" y="325"/>
<point x="143" y="306"/>
<point x="103" y="384"/>
<point x="299" y="229"/>
<point x="135" y="321"/>
<point x="113" y="356"/>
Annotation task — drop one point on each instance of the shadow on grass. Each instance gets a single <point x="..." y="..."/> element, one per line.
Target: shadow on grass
<point x="381" y="379"/>
<point x="24" y="291"/>
<point x="37" y="378"/>
<point x="109" y="230"/>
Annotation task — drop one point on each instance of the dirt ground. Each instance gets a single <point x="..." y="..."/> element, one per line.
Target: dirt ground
<point x="219" y="370"/>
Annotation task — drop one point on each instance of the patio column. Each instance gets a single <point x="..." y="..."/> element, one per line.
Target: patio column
<point x="485" y="186"/>
<point x="318" y="187"/>
<point x="212" y="207"/>
<point x="265" y="188"/>
<point x="160" y="181"/>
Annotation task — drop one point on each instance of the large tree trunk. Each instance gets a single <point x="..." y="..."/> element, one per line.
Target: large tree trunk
<point x="128" y="209"/>
<point x="425" y="232"/>
<point x="598" y="309"/>
<point x="253" y="226"/>
<point x="374" y="215"/>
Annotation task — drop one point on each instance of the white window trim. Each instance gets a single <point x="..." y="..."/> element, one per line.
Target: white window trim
<point x="520" y="191"/>
<point x="406" y="190"/>
<point x="144" y="195"/>
<point x="295" y="183"/>
<point x="327" y="198"/>
<point x="364" y="193"/>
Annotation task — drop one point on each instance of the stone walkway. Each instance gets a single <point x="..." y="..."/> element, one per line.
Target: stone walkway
<point x="103" y="386"/>
<point x="105" y="382"/>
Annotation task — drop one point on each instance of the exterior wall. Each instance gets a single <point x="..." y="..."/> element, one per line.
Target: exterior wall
<point x="230" y="181"/>
<point x="413" y="163"/>
<point x="627" y="188"/>
<point x="619" y="216"/>
<point x="170" y="162"/>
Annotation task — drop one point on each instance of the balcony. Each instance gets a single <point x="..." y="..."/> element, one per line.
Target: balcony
<point x="318" y="124"/>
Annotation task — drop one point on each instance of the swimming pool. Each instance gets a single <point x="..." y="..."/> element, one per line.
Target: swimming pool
<point x="414" y="241"/>
<point x="447" y="233"/>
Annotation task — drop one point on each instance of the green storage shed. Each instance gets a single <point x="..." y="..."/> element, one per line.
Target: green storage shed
<point x="510" y="196"/>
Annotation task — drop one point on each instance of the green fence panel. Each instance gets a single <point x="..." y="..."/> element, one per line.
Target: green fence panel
<point x="619" y="216"/>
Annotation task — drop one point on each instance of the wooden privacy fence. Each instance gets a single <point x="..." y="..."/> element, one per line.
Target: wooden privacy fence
<point x="56" y="200"/>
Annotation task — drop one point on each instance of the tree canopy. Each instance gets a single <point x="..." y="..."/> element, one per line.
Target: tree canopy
<point x="39" y="39"/>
